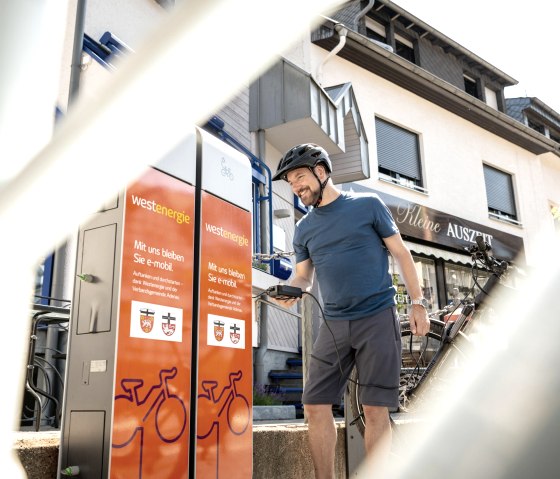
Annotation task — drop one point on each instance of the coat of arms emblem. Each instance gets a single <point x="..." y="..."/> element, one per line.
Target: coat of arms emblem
<point x="219" y="330"/>
<point x="147" y="320"/>
<point x="233" y="334"/>
<point x="167" y="326"/>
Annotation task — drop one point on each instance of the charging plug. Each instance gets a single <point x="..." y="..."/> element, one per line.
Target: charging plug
<point x="283" y="292"/>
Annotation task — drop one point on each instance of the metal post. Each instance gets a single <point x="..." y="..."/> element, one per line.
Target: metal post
<point x="262" y="312"/>
<point x="306" y="337"/>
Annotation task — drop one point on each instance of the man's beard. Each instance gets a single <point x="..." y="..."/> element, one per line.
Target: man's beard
<point x="311" y="197"/>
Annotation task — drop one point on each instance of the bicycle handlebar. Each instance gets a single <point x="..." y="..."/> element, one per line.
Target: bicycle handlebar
<point x="434" y="314"/>
<point x="481" y="252"/>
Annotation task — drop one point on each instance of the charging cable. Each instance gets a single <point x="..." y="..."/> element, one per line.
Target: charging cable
<point x="284" y="292"/>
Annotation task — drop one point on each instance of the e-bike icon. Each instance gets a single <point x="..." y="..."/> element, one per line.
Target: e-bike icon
<point x="134" y="413"/>
<point x="228" y="408"/>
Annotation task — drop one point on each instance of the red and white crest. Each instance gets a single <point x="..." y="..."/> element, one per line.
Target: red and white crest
<point x="233" y="334"/>
<point x="218" y="330"/>
<point x="146" y="320"/>
<point x="167" y="326"/>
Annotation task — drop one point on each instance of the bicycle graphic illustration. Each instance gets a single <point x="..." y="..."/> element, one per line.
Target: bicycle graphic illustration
<point x="135" y="413"/>
<point x="226" y="170"/>
<point x="228" y="408"/>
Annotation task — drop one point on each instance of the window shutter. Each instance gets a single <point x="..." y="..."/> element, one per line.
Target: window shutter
<point x="499" y="191"/>
<point x="397" y="150"/>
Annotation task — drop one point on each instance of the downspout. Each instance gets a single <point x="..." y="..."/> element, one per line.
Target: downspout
<point x="76" y="65"/>
<point x="342" y="33"/>
<point x="265" y="214"/>
<point x="362" y="12"/>
<point x="262" y="311"/>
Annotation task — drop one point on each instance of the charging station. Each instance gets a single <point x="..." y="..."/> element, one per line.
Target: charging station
<point x="159" y="365"/>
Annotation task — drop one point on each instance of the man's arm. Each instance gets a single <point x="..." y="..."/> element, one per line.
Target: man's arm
<point x="303" y="279"/>
<point x="419" y="322"/>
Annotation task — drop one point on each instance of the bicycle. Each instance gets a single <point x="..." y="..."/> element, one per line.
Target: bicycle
<point x="421" y="368"/>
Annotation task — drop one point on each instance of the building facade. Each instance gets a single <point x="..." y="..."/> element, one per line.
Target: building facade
<point x="438" y="140"/>
<point x="403" y="110"/>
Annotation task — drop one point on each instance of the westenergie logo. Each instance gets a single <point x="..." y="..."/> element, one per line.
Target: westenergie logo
<point x="179" y="216"/>
<point x="241" y="240"/>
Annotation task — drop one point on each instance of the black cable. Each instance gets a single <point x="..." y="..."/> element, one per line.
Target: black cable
<point x="474" y="274"/>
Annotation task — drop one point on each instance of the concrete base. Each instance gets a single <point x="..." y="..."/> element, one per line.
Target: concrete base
<point x="273" y="413"/>
<point x="38" y="453"/>
<point x="280" y="451"/>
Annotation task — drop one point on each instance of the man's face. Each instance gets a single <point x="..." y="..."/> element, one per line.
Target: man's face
<point x="304" y="185"/>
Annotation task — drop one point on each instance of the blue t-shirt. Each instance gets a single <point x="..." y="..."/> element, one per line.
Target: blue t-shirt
<point x="343" y="239"/>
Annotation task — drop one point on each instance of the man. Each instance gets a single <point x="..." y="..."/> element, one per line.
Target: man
<point x="344" y="239"/>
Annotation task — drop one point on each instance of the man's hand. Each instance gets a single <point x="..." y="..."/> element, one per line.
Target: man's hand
<point x="303" y="280"/>
<point x="285" y="303"/>
<point x="419" y="321"/>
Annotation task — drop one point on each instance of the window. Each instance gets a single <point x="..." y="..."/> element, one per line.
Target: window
<point x="426" y="271"/>
<point x="536" y="126"/>
<point x="554" y="136"/>
<point x="491" y="98"/>
<point x="471" y="86"/>
<point x="398" y="155"/>
<point x="375" y="30"/>
<point x="499" y="193"/>
<point x="459" y="282"/>
<point x="43" y="280"/>
<point x="427" y="275"/>
<point x="404" y="48"/>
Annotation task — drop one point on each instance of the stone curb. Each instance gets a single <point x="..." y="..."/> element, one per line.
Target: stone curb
<point x="273" y="413"/>
<point x="280" y="451"/>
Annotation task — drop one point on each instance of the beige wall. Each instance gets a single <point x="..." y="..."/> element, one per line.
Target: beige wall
<point x="453" y="151"/>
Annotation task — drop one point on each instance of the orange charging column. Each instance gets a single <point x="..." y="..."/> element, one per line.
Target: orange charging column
<point x="224" y="405"/>
<point x="150" y="434"/>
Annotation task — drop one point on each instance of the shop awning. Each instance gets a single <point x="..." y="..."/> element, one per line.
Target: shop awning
<point x="438" y="253"/>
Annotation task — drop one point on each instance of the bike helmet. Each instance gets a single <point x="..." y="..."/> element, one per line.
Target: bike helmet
<point x="304" y="155"/>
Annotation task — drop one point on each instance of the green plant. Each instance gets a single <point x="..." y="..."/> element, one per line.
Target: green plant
<point x="259" y="265"/>
<point x="265" y="395"/>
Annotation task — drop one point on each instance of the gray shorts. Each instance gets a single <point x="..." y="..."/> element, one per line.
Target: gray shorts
<point x="373" y="344"/>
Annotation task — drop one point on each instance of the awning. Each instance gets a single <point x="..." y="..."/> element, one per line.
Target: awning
<point x="438" y="253"/>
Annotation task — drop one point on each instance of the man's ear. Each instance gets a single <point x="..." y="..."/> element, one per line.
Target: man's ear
<point x="322" y="171"/>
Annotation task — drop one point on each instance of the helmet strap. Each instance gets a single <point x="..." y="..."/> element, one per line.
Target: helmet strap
<point x="321" y="187"/>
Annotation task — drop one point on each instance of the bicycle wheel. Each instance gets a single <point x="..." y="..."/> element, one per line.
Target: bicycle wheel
<point x="171" y="418"/>
<point x="416" y="354"/>
<point x="238" y="414"/>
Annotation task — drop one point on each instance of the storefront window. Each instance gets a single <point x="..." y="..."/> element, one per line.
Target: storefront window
<point x="426" y="271"/>
<point x="459" y="281"/>
<point x="43" y="279"/>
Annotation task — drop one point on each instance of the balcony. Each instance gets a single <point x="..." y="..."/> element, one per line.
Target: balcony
<point x="291" y="107"/>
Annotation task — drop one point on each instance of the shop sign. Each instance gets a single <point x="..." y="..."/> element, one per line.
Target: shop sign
<point x="429" y="225"/>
